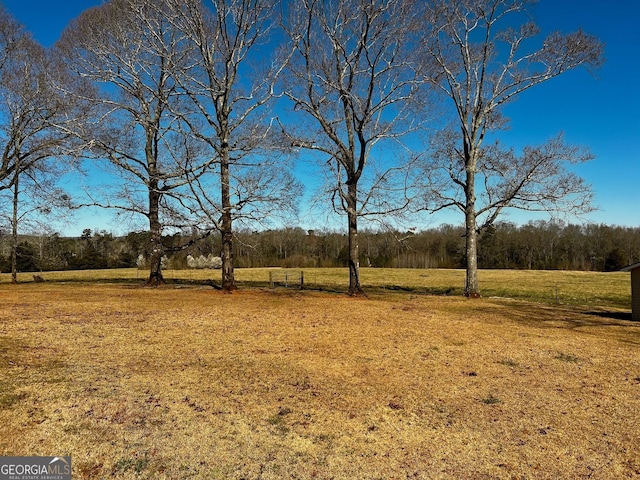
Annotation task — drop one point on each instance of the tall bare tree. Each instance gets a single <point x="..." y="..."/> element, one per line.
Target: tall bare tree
<point x="130" y="50"/>
<point x="33" y="149"/>
<point x="231" y="83"/>
<point x="483" y="62"/>
<point x="352" y="81"/>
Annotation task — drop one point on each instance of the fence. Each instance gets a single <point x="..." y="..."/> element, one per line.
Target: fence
<point x="286" y="279"/>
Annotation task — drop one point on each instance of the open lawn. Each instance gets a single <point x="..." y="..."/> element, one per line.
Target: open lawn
<point x="186" y="382"/>
<point x="564" y="287"/>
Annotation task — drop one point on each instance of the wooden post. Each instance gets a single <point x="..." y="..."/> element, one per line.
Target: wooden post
<point x="301" y="279"/>
<point x="635" y="294"/>
<point x="270" y="279"/>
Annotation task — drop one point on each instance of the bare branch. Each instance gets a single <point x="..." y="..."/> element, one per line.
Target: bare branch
<point x="352" y="82"/>
<point x="482" y="63"/>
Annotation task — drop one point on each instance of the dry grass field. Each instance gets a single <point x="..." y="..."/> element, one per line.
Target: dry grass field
<point x="184" y="382"/>
<point x="561" y="287"/>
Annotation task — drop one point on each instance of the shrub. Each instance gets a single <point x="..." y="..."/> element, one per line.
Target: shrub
<point x="201" y="262"/>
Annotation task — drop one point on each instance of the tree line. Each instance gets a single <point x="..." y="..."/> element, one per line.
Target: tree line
<point x="540" y="245"/>
<point x="198" y="110"/>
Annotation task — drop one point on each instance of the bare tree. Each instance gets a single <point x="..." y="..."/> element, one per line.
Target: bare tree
<point x="33" y="201"/>
<point x="33" y="150"/>
<point x="231" y="83"/>
<point x="352" y="81"/>
<point x="11" y="35"/>
<point x="483" y="62"/>
<point x="130" y="49"/>
<point x="21" y="88"/>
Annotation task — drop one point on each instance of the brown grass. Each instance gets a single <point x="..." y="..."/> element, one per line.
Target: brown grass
<point x="192" y="383"/>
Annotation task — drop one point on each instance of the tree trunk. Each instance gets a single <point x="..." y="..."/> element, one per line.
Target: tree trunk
<point x="228" y="275"/>
<point x="226" y="227"/>
<point x="14" y="232"/>
<point x="354" y="262"/>
<point x="471" y="288"/>
<point x="157" y="249"/>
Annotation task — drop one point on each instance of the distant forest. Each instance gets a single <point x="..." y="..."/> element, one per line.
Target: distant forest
<point x="537" y="245"/>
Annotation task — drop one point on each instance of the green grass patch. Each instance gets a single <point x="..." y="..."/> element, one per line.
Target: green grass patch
<point x="137" y="465"/>
<point x="564" y="357"/>
<point x="10" y="399"/>
<point x="490" y="400"/>
<point x="507" y="362"/>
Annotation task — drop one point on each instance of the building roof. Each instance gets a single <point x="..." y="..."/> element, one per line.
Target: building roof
<point x="628" y="268"/>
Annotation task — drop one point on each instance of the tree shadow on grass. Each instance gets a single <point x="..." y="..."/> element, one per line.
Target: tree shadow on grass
<point x="624" y="316"/>
<point x="570" y="317"/>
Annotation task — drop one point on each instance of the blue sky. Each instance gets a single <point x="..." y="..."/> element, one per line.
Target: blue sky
<point x="599" y="110"/>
